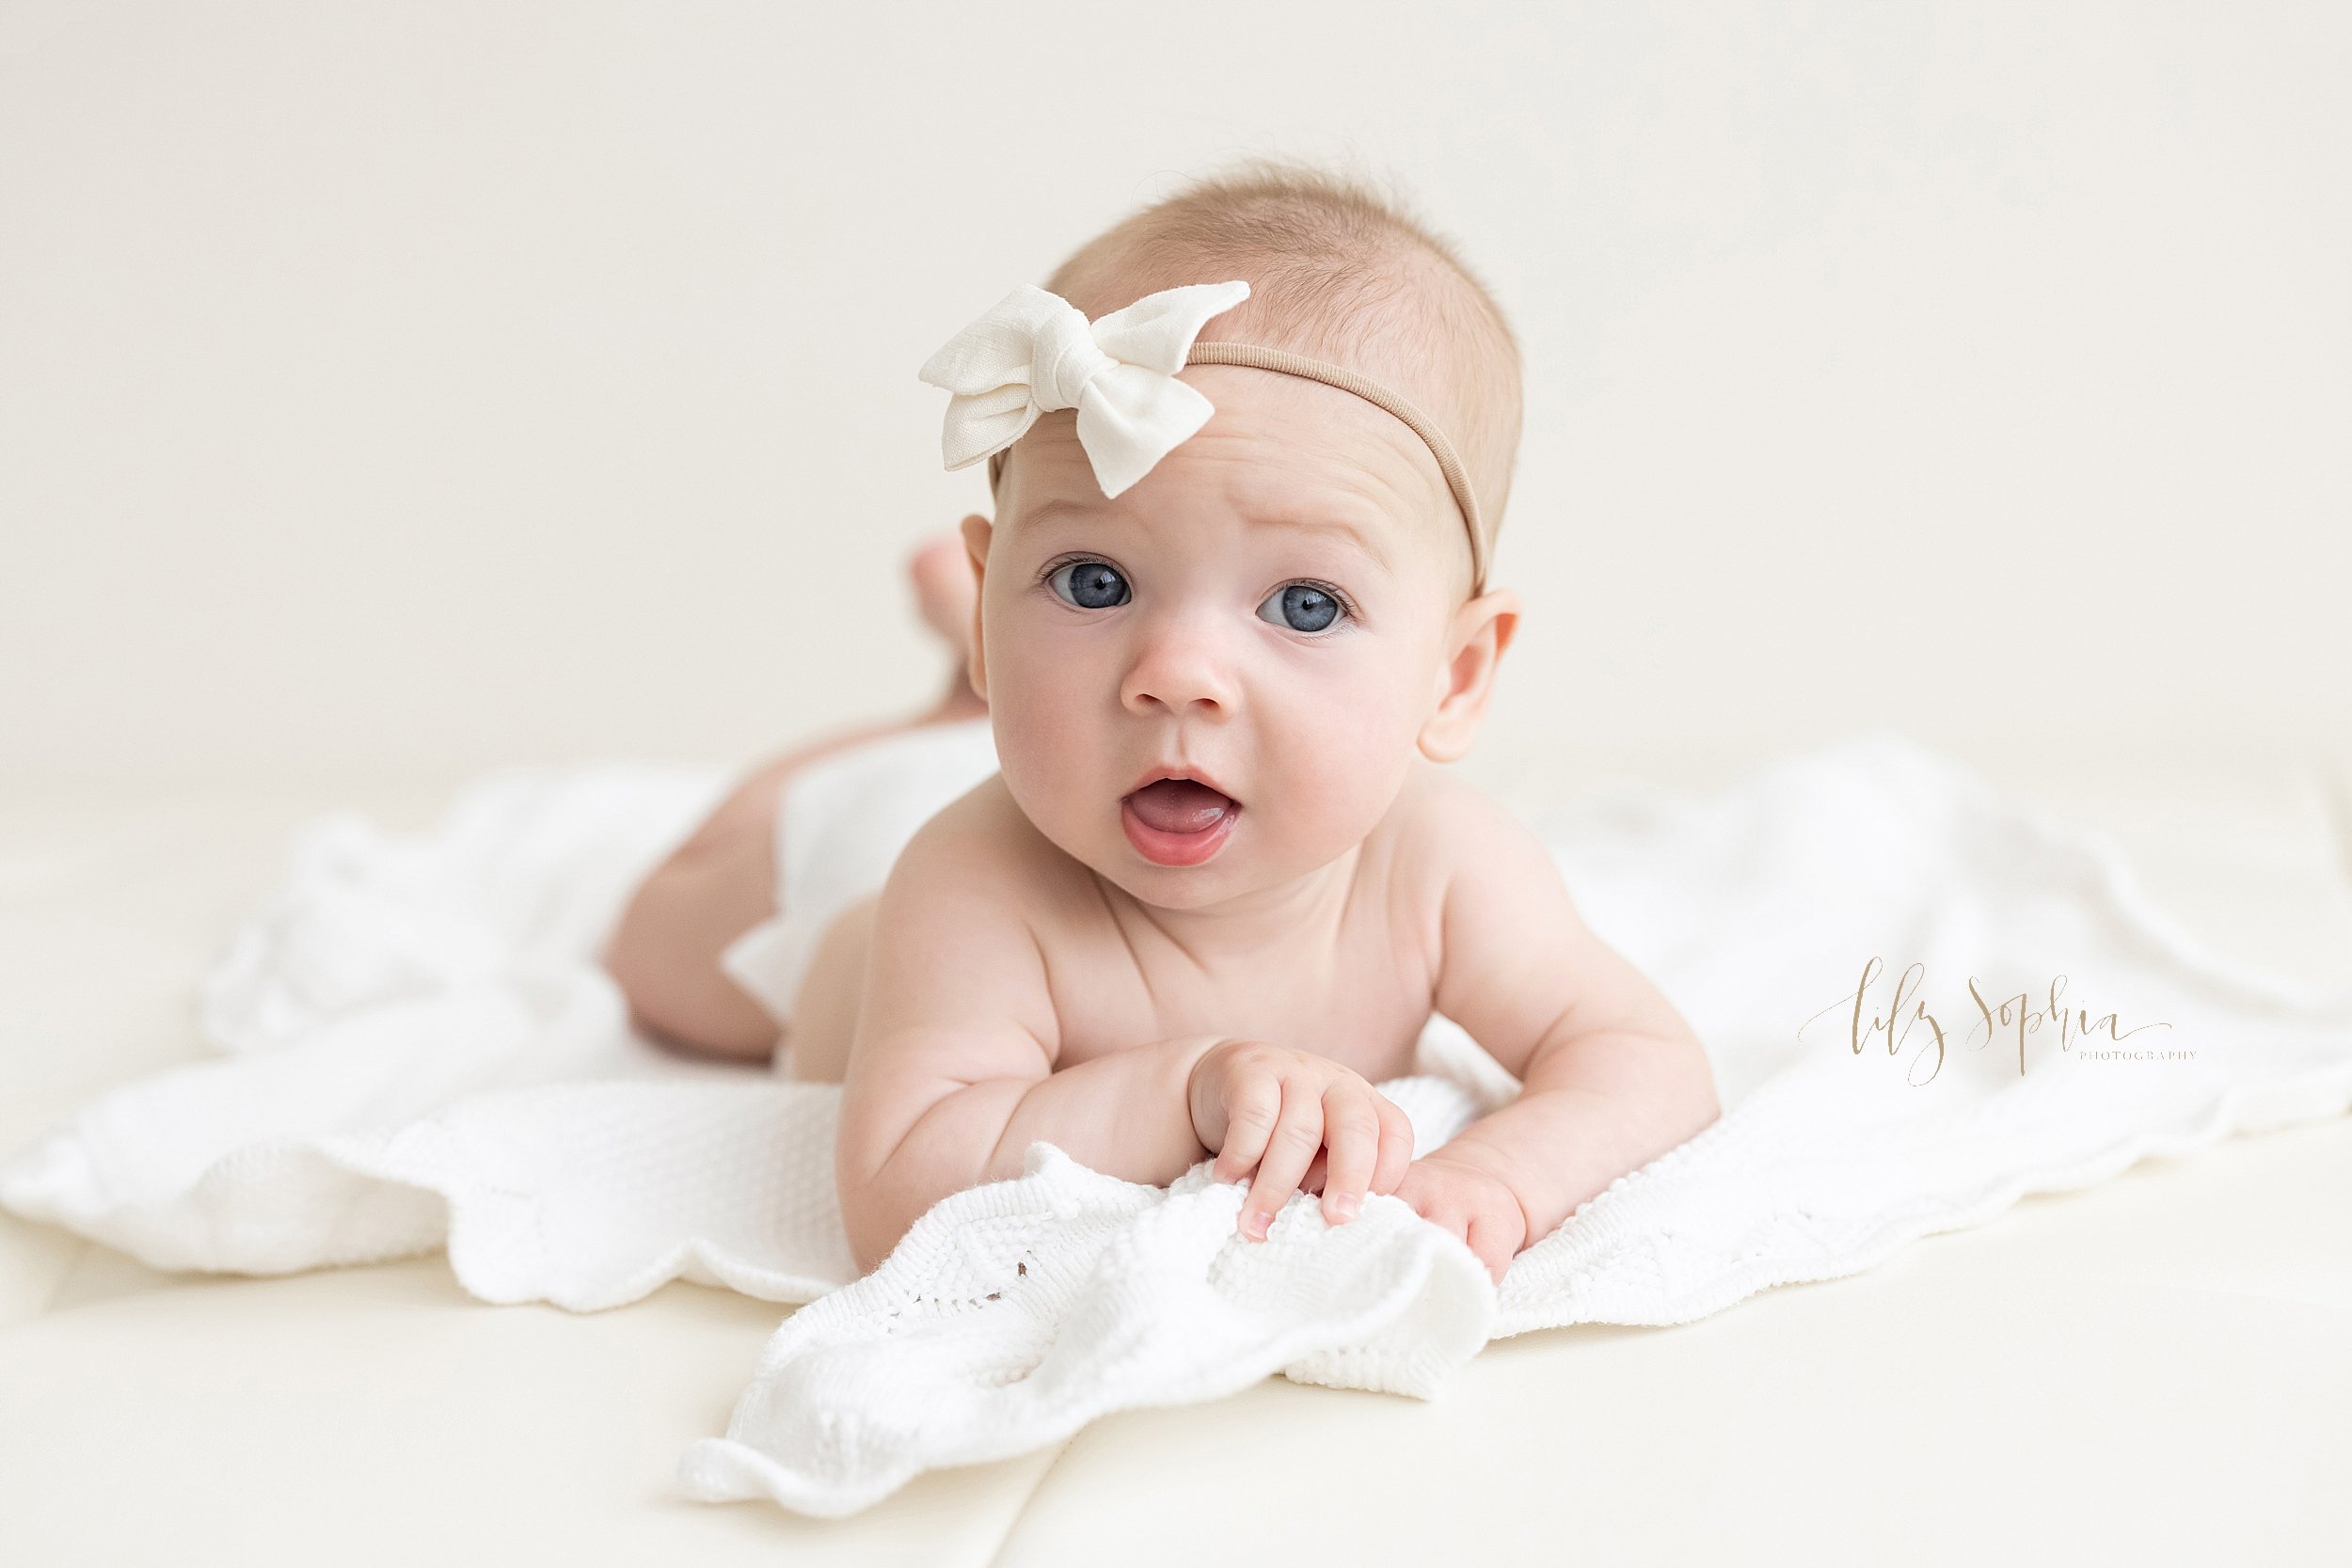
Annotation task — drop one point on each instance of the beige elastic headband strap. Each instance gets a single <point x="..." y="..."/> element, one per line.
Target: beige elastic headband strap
<point x="1456" y="477"/>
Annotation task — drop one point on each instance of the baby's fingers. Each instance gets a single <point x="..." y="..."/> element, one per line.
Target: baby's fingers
<point x="1446" y="1217"/>
<point x="1396" y="1144"/>
<point x="1253" y="1105"/>
<point x="1288" y="1151"/>
<point x="1351" y="1139"/>
<point x="1490" y="1240"/>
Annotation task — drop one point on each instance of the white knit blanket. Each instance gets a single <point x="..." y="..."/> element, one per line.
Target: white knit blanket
<point x="417" y="1051"/>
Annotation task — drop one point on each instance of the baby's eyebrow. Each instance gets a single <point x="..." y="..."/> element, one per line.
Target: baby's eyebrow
<point x="1047" y="512"/>
<point x="1338" y="523"/>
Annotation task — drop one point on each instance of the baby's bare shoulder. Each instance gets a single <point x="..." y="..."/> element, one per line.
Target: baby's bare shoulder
<point x="980" y="850"/>
<point x="957" y="959"/>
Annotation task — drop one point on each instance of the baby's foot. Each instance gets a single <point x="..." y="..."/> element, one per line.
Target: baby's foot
<point x="941" y="575"/>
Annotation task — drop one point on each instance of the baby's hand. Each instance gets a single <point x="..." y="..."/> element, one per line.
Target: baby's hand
<point x="1263" y="1106"/>
<point x="1473" y="1202"/>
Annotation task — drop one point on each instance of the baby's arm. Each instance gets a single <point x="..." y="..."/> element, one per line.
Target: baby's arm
<point x="952" y="1072"/>
<point x="1613" y="1075"/>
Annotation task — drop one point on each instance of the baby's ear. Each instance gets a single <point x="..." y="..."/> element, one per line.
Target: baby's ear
<point x="1475" y="639"/>
<point x="977" y="531"/>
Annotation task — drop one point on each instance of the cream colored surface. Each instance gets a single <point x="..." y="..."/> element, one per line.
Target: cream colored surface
<point x="388" y="393"/>
<point x="2156" y="1366"/>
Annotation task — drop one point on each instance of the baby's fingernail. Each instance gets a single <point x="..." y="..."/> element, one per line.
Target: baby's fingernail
<point x="1254" y="1225"/>
<point x="1345" y="1207"/>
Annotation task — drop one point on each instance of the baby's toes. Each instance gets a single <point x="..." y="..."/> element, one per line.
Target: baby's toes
<point x="940" y="572"/>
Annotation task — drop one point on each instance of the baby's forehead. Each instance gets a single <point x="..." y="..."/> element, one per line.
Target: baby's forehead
<point x="1391" y="314"/>
<point x="1283" y="458"/>
<point x="1317" y="446"/>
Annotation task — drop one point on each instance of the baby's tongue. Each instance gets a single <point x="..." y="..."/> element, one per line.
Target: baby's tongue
<point x="1179" y="805"/>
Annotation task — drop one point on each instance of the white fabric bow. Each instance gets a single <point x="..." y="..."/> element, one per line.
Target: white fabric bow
<point x="1036" y="352"/>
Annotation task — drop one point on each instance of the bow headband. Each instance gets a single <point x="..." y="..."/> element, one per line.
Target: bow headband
<point x="1036" y="352"/>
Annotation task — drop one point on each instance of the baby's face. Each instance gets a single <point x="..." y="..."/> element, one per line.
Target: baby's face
<point x="1266" y="614"/>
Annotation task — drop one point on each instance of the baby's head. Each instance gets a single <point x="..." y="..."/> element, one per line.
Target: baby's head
<point x="1285" y="608"/>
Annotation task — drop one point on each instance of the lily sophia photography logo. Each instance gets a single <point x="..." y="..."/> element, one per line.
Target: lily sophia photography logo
<point x="1905" y="1021"/>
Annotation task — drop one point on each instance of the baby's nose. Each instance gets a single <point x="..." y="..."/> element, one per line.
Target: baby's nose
<point x="1180" y="664"/>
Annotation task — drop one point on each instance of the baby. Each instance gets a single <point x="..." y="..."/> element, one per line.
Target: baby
<point x="1220" y="880"/>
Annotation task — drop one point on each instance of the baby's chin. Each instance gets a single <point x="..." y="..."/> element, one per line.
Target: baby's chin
<point x="1198" y="887"/>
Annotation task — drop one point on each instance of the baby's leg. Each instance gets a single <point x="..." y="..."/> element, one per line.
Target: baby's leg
<point x="720" y="882"/>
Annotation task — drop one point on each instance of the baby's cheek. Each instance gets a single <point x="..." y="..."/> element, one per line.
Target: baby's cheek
<point x="1048" y="717"/>
<point x="1341" y="760"/>
<point x="1056" y="767"/>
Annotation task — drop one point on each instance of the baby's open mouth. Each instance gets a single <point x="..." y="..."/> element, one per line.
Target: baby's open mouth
<point x="1178" y="822"/>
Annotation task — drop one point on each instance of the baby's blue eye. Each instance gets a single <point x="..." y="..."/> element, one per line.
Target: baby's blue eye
<point x="1090" y="585"/>
<point x="1301" y="607"/>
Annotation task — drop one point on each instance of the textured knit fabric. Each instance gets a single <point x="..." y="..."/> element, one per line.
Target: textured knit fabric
<point x="417" y="1049"/>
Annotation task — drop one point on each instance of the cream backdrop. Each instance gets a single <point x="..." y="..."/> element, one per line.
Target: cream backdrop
<point x="388" y="392"/>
